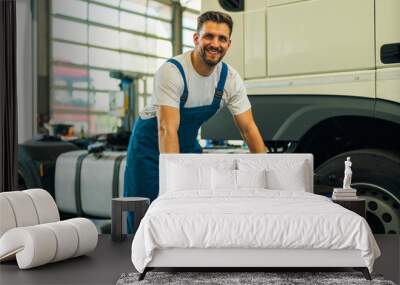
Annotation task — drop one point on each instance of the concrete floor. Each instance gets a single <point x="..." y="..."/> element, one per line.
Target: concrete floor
<point x="389" y="262"/>
<point x="106" y="264"/>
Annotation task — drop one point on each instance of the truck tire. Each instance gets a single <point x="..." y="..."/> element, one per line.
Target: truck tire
<point x="36" y="163"/>
<point x="28" y="175"/>
<point x="376" y="176"/>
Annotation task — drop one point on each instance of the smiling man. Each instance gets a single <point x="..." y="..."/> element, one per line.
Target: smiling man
<point x="188" y="90"/>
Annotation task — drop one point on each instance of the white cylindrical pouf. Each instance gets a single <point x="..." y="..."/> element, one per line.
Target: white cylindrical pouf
<point x="23" y="208"/>
<point x="87" y="234"/>
<point x="7" y="218"/>
<point x="33" y="246"/>
<point x="46" y="207"/>
<point x="67" y="240"/>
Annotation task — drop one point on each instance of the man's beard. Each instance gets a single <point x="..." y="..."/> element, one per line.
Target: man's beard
<point x="210" y="63"/>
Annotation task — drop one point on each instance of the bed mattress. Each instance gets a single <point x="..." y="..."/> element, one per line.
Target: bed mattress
<point x="250" y="219"/>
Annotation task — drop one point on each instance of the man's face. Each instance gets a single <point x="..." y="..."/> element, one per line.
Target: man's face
<point x="212" y="42"/>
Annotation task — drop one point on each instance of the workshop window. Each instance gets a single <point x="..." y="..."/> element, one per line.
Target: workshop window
<point x="91" y="38"/>
<point x="191" y="10"/>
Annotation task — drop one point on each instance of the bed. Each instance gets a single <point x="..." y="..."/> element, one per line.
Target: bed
<point x="247" y="210"/>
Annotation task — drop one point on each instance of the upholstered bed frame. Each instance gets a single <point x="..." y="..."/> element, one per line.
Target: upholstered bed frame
<point x="251" y="258"/>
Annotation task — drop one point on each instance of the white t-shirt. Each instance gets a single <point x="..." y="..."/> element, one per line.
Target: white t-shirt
<point x="168" y="88"/>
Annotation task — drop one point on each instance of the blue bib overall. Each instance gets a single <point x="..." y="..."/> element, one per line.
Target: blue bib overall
<point x="141" y="172"/>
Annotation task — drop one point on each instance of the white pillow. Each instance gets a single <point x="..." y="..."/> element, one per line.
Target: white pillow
<point x="293" y="178"/>
<point x="182" y="177"/>
<point x="235" y="179"/>
<point x="223" y="179"/>
<point x="281" y="175"/>
<point x="251" y="178"/>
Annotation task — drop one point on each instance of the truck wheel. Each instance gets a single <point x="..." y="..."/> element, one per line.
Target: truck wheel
<point x="376" y="176"/>
<point x="28" y="176"/>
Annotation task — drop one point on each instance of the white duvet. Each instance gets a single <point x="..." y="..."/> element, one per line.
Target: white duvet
<point x="250" y="219"/>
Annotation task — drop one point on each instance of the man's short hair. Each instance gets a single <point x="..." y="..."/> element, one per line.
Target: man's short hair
<point x="214" y="16"/>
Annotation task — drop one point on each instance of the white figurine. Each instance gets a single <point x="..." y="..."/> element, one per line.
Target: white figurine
<point x="347" y="174"/>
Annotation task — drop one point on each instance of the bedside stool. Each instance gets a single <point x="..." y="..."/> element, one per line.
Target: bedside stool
<point x="357" y="205"/>
<point x="136" y="205"/>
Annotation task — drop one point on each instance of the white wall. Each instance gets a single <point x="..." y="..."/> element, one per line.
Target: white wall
<point x="24" y="70"/>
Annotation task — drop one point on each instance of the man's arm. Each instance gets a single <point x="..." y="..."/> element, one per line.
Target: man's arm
<point x="250" y="133"/>
<point x="168" y="124"/>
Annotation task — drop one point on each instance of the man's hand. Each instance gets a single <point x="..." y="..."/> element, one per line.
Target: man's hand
<point x="168" y="124"/>
<point x="250" y="133"/>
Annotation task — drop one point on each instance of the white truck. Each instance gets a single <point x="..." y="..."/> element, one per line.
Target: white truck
<point x="323" y="77"/>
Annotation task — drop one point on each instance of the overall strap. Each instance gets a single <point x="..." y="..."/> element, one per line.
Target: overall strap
<point x="219" y="91"/>
<point x="185" y="88"/>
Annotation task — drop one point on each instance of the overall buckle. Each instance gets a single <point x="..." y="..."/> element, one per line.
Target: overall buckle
<point x="218" y="93"/>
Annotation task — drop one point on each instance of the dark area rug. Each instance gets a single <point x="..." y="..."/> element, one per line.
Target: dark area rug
<point x="233" y="278"/>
